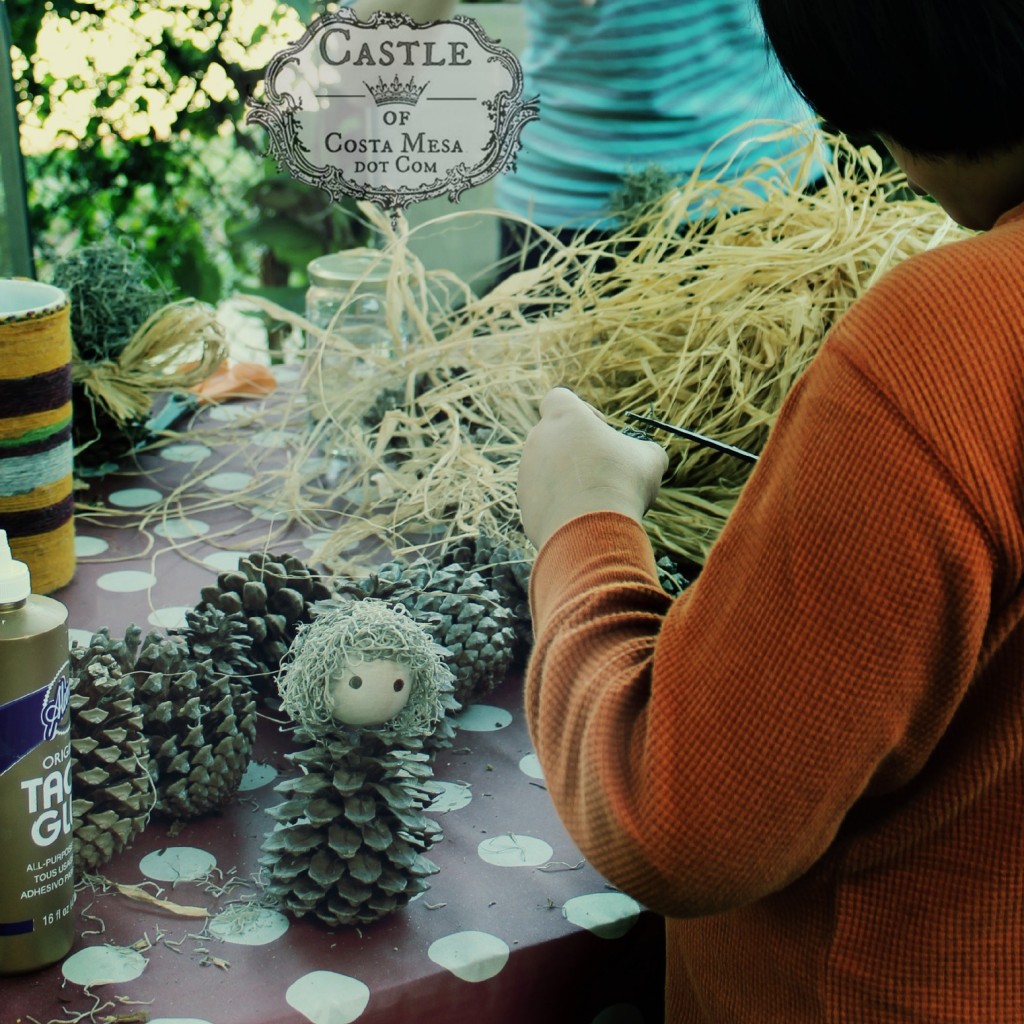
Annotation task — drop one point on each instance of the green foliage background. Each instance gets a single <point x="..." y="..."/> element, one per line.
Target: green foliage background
<point x="195" y="197"/>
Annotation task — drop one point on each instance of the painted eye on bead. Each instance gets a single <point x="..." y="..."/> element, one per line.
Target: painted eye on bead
<point x="399" y="685"/>
<point x="355" y="682"/>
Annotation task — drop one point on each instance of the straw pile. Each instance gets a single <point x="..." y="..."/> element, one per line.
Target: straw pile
<point x="707" y="327"/>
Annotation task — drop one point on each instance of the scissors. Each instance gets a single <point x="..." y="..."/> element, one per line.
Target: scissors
<point x="692" y="435"/>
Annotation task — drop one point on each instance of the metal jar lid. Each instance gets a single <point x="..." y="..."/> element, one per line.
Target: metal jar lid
<point x="368" y="267"/>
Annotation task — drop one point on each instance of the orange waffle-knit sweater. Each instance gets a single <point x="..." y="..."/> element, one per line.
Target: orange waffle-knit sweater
<point x="812" y="762"/>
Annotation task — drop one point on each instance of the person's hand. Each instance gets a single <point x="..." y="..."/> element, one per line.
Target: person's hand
<point x="573" y="463"/>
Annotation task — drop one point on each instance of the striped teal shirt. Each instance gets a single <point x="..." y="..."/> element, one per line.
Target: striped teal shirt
<point x="627" y="83"/>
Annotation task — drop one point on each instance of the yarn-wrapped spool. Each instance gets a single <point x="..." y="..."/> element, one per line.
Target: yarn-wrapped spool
<point x="36" y="453"/>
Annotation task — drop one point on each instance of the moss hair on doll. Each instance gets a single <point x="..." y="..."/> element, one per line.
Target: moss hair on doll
<point x="364" y="664"/>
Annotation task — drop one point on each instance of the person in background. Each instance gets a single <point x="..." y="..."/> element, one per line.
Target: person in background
<point x="624" y="86"/>
<point x="812" y="761"/>
<point x="627" y="85"/>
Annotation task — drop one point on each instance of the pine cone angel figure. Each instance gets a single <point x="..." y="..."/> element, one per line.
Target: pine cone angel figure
<point x="365" y="685"/>
<point x="458" y="608"/>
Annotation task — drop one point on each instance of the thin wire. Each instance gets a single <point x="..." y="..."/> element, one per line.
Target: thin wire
<point x="692" y="435"/>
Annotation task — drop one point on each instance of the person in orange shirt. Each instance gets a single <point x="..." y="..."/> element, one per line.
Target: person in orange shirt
<point x="812" y="761"/>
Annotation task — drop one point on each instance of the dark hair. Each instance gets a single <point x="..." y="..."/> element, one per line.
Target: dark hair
<point x="940" y="77"/>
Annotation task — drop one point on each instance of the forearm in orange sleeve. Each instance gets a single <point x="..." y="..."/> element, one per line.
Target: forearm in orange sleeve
<point x="704" y="753"/>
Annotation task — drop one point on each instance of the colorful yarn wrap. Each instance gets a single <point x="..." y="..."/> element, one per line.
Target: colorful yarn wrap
<point x="36" y="453"/>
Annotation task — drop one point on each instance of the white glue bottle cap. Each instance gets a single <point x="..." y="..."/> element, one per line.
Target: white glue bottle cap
<point x="15" y="582"/>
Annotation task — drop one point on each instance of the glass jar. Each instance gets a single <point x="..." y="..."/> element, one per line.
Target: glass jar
<point x="347" y="297"/>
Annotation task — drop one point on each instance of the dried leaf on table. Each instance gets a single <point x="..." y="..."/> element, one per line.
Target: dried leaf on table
<point x="134" y="892"/>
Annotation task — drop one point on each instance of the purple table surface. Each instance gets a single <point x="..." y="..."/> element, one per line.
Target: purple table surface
<point x="516" y="928"/>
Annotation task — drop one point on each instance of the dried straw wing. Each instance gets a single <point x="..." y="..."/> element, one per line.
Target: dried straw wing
<point x="177" y="346"/>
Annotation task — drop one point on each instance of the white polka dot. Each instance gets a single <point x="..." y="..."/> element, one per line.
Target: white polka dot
<point x="530" y="765"/>
<point x="608" y="915"/>
<point x="177" y="864"/>
<point x="103" y="469"/>
<point x="87" y="547"/>
<point x="314" y="540"/>
<point x="512" y="851"/>
<point x="324" y="997"/>
<point x="223" y="561"/>
<point x="80" y="636"/>
<point x="103" y="965"/>
<point x="249" y="925"/>
<point x="229" y="481"/>
<point x="257" y="775"/>
<point x="620" y="1013"/>
<point x="275" y="438"/>
<point x="185" y="452"/>
<point x="178" y="1020"/>
<point x="483" y="718"/>
<point x="265" y="512"/>
<point x="470" y="956"/>
<point x="126" y="581"/>
<point x="135" y="497"/>
<point x="228" y="413"/>
<point x="168" y="618"/>
<point x="184" y="527"/>
<point x="450" y="796"/>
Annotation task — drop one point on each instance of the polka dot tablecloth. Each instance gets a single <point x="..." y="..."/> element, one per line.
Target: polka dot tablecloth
<point x="516" y="928"/>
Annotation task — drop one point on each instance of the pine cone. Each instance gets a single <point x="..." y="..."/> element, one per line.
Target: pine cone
<point x="221" y="638"/>
<point x="461" y="612"/>
<point x="112" y="790"/>
<point x="201" y="724"/>
<point x="506" y="569"/>
<point x="350" y="835"/>
<point x="272" y="595"/>
<point x="674" y="576"/>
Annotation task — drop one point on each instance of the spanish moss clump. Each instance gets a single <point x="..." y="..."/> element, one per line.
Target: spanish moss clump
<point x="113" y="291"/>
<point x="368" y="631"/>
<point x="641" y="193"/>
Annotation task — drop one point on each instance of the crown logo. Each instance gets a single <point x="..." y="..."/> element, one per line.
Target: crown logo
<point x="384" y="93"/>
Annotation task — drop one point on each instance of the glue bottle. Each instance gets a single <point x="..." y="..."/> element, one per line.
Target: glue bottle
<point x="37" y="883"/>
